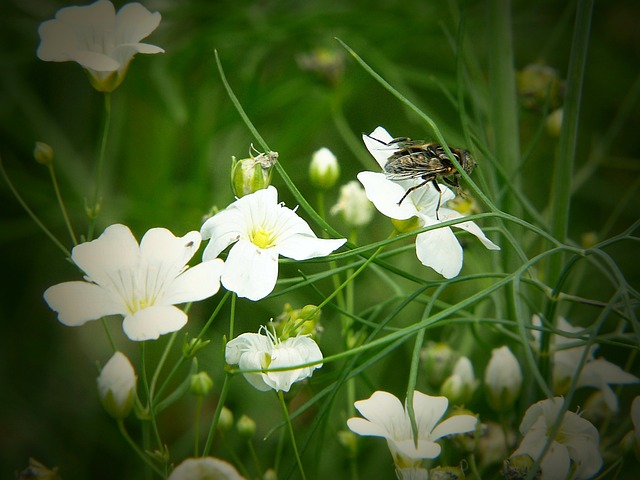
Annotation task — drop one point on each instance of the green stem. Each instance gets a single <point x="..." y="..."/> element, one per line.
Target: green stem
<point x="563" y="168"/>
<point x="216" y="415"/>
<point x="56" y="188"/>
<point x="285" y="412"/>
<point x="197" y="425"/>
<point x="33" y="216"/>
<point x="94" y="208"/>
<point x="137" y="449"/>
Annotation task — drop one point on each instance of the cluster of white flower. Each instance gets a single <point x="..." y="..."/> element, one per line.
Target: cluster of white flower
<point x="144" y="282"/>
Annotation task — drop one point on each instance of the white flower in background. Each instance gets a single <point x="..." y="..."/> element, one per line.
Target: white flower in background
<point x="577" y="441"/>
<point x="117" y="386"/>
<point x="205" y="468"/>
<point x="141" y="283"/>
<point x="461" y="384"/>
<point x="256" y="351"/>
<point x="261" y="229"/>
<point x="387" y="417"/>
<point x="353" y="205"/>
<point x="324" y="169"/>
<point x="502" y="378"/>
<point x="439" y="248"/>
<point x="635" y="419"/>
<point x="415" y="473"/>
<point x="596" y="372"/>
<point x="100" y="40"/>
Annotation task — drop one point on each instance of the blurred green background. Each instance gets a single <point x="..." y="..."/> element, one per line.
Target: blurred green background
<point x="174" y="131"/>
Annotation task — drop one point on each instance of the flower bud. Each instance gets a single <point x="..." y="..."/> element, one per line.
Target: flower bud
<point x="43" y="153"/>
<point x="326" y="63"/>
<point x="204" y="468"/>
<point x="446" y="473"/>
<point x="200" y="384"/>
<point x="503" y="379"/>
<point x="324" y="169"/>
<point x="438" y="360"/>
<point x="461" y="384"/>
<point x="246" y="426"/>
<point x="225" y="422"/>
<point x="117" y="386"/>
<point x="412" y="473"/>
<point x="270" y="474"/>
<point x="538" y="85"/>
<point x="553" y="123"/>
<point x="349" y="442"/>
<point x="252" y="174"/>
<point x="192" y="346"/>
<point x="353" y="205"/>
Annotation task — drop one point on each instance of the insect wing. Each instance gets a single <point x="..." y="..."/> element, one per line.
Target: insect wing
<point x="380" y="149"/>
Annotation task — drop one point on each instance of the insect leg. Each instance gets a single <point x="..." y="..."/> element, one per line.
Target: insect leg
<point x="435" y="184"/>
<point x="415" y="187"/>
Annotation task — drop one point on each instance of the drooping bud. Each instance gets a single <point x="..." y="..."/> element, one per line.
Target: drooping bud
<point x="252" y="174"/>
<point x="460" y="385"/>
<point x="117" y="386"/>
<point x="324" y="169"/>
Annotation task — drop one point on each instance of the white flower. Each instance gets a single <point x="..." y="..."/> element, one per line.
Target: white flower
<point x="255" y="351"/>
<point x="141" y="283"/>
<point x="324" y="169"/>
<point x="117" y="385"/>
<point x="502" y="378"/>
<point x="439" y="248"/>
<point x="577" y="440"/>
<point x="414" y="473"/>
<point x="353" y="204"/>
<point x="205" y="468"/>
<point x="386" y="417"/>
<point x="596" y="372"/>
<point x="100" y="40"/>
<point x="260" y="229"/>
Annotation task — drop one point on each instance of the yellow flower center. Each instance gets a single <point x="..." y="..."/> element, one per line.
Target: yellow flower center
<point x="261" y="238"/>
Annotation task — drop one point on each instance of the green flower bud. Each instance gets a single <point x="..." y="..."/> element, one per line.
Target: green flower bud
<point x="252" y="174"/>
<point x="438" y="360"/>
<point x="328" y="64"/>
<point x="538" y="84"/>
<point x="43" y="153"/>
<point x="192" y="346"/>
<point x="324" y="169"/>
<point x="270" y="474"/>
<point x="246" y="427"/>
<point x="200" y="384"/>
<point x="349" y="441"/>
<point x="226" y="420"/>
<point x="446" y="473"/>
<point x="553" y="123"/>
<point x="117" y="386"/>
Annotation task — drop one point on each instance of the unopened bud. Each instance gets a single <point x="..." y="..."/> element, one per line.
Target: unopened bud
<point x="117" y="386"/>
<point x="43" y="153"/>
<point x="460" y="385"/>
<point x="252" y="174"/>
<point x="324" y="169"/>
<point x="353" y="205"/>
<point x="438" y="360"/>
<point x="225" y="422"/>
<point x="554" y="122"/>
<point x="200" y="384"/>
<point x="503" y="379"/>
<point x="246" y="426"/>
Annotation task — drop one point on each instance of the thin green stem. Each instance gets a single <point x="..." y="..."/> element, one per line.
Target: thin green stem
<point x="137" y="450"/>
<point x="56" y="188"/>
<point x="564" y="165"/>
<point x="196" y="427"/>
<point x="285" y="413"/>
<point x="216" y="416"/>
<point x="33" y="216"/>
<point x="93" y="210"/>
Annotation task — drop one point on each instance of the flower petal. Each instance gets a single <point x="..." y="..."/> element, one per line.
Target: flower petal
<point x="302" y="247"/>
<point x="365" y="427"/>
<point x="250" y="271"/>
<point x="426" y="448"/>
<point x="150" y="323"/>
<point x="385" y="410"/>
<point x="197" y="283"/>
<point x="95" y="61"/>
<point x="134" y="22"/>
<point x="223" y="229"/>
<point x="385" y="195"/>
<point x="428" y="410"/>
<point x="80" y="302"/>
<point x="377" y="142"/>
<point x="440" y="250"/>
<point x="471" y="227"/>
<point x="113" y="251"/>
<point x="453" y="425"/>
<point x="57" y="42"/>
